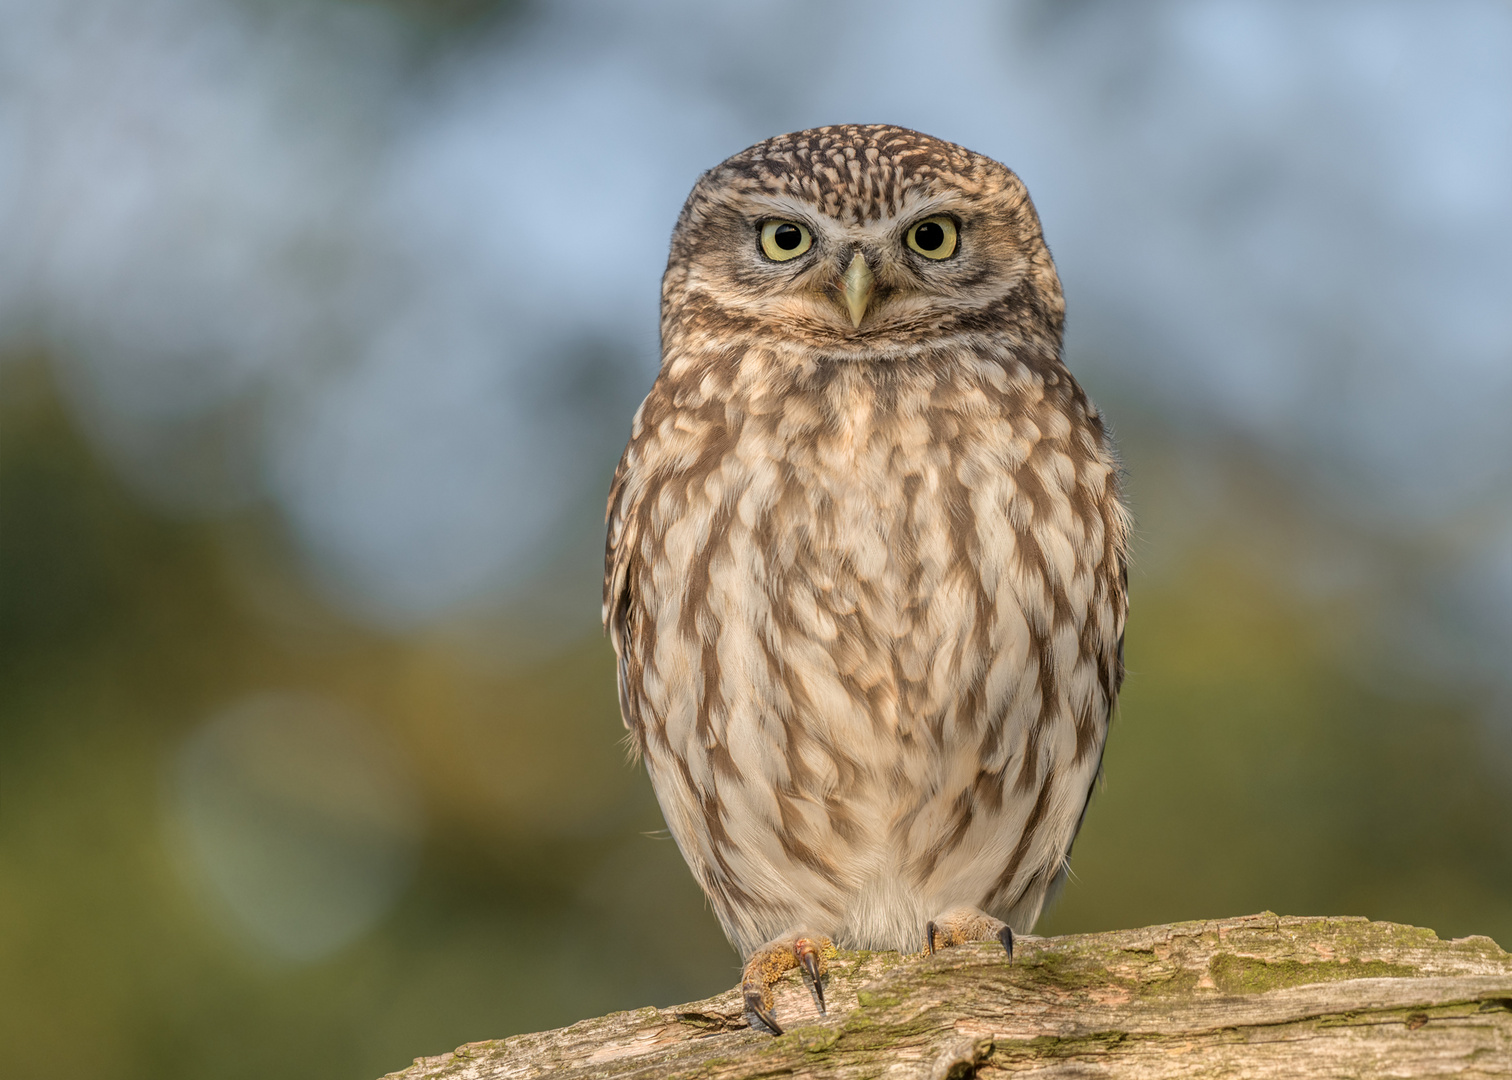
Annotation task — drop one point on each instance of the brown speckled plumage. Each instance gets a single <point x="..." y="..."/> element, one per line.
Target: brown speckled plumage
<point x="866" y="583"/>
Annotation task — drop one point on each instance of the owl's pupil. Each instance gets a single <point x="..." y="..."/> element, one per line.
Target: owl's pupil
<point x="929" y="235"/>
<point x="787" y="237"/>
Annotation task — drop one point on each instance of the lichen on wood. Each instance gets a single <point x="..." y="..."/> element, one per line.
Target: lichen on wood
<point x="1262" y="996"/>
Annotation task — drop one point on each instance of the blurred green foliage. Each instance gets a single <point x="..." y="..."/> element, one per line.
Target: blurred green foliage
<point x="1253" y="767"/>
<point x="1258" y="761"/>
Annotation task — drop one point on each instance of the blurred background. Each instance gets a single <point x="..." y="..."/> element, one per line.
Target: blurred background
<point x="321" y="326"/>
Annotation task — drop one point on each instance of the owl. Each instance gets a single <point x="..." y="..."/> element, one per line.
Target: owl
<point x="865" y="571"/>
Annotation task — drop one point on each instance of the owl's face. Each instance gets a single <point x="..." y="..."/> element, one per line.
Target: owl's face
<point x="861" y="239"/>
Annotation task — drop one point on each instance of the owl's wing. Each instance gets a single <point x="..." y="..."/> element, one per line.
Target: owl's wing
<point x="619" y="551"/>
<point x="1112" y="664"/>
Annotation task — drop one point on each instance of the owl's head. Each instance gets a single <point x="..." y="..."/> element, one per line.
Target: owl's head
<point x="861" y="239"/>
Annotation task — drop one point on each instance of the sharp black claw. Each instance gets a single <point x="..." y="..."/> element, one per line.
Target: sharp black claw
<point x="810" y="963"/>
<point x="753" y="1003"/>
<point x="929" y="935"/>
<point x="1005" y="935"/>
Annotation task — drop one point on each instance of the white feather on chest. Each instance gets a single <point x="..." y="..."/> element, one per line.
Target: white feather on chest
<point x="861" y="573"/>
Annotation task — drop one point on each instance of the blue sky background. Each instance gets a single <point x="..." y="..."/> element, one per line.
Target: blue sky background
<point x="401" y="257"/>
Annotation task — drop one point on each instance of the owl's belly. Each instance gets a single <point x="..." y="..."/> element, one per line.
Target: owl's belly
<point x="849" y="712"/>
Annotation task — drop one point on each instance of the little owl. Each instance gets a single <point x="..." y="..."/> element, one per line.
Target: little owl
<point x="865" y="568"/>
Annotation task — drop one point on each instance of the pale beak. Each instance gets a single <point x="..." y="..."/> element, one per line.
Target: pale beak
<point x="858" y="288"/>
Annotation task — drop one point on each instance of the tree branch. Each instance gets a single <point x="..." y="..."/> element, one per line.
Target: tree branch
<point x="1255" y="996"/>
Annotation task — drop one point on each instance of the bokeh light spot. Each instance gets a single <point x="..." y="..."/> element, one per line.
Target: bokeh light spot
<point x="298" y="818"/>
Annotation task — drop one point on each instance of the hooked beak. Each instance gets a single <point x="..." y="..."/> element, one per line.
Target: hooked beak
<point x="857" y="283"/>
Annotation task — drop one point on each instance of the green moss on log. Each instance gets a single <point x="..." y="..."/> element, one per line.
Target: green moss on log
<point x="1246" y="975"/>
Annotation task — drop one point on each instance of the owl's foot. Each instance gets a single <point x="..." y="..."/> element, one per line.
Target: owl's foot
<point x="960" y="925"/>
<point x="768" y="963"/>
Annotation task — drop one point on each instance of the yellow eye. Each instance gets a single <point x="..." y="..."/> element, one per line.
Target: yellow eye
<point x="784" y="240"/>
<point x="934" y="237"/>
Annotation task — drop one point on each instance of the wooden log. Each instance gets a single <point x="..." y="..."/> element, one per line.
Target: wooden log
<point x="1260" y="996"/>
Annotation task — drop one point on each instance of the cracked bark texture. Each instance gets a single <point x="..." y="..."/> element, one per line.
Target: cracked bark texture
<point x="1262" y="996"/>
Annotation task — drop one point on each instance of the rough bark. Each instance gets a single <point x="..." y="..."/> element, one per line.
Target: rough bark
<point x="1257" y="996"/>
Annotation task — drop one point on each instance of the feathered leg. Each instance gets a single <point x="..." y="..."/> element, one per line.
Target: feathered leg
<point x="960" y="925"/>
<point x="766" y="965"/>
